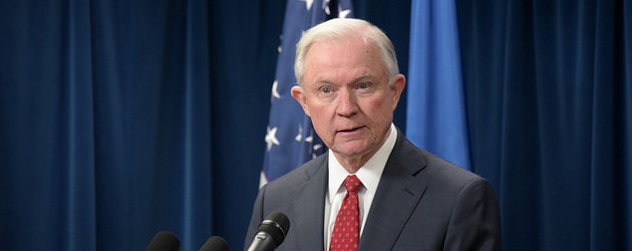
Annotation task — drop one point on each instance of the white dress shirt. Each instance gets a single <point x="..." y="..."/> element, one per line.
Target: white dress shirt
<point x="369" y="174"/>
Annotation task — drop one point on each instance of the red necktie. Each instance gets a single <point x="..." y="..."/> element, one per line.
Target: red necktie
<point x="346" y="232"/>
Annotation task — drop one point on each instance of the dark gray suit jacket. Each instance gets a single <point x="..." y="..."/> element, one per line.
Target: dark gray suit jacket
<point x="422" y="203"/>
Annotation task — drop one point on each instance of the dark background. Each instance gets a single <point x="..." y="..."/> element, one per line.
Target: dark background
<point x="119" y="119"/>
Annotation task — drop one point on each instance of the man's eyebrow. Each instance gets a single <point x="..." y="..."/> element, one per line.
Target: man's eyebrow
<point x="361" y="76"/>
<point x="323" y="80"/>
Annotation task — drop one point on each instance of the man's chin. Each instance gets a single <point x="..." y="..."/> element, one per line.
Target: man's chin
<point x="351" y="149"/>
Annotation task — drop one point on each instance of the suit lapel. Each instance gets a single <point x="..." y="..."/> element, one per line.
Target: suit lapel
<point x="310" y="208"/>
<point x="397" y="195"/>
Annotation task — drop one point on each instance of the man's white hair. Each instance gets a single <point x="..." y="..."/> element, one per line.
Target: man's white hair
<point x="340" y="29"/>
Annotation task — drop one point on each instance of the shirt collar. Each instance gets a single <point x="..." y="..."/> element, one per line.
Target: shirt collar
<point x="369" y="174"/>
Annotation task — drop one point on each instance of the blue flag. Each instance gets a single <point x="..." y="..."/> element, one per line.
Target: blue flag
<point x="436" y="119"/>
<point x="290" y="138"/>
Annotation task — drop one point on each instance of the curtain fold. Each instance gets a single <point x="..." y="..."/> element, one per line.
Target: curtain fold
<point x="119" y="119"/>
<point x="105" y="124"/>
<point x="549" y="84"/>
<point x="75" y="147"/>
<point x="626" y="138"/>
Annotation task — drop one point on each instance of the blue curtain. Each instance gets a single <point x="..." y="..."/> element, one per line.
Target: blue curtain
<point x="119" y="119"/>
<point x="549" y="98"/>
<point x="105" y="129"/>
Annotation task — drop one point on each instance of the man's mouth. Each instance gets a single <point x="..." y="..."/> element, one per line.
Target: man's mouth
<point x="350" y="129"/>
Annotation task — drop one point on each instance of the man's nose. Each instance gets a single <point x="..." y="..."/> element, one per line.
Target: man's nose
<point x="347" y="104"/>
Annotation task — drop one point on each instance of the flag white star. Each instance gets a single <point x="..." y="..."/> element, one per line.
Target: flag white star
<point x="308" y="3"/>
<point x="300" y="133"/>
<point x="343" y="13"/>
<point x="317" y="147"/>
<point x="310" y="138"/>
<point x="271" y="137"/>
<point x="279" y="48"/>
<point x="275" y="92"/>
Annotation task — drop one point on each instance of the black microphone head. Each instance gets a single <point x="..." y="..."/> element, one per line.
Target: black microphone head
<point x="164" y="241"/>
<point x="215" y="243"/>
<point x="276" y="225"/>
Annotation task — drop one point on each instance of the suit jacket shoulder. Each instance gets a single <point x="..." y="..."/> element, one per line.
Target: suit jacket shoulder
<point x="300" y="195"/>
<point x="424" y="202"/>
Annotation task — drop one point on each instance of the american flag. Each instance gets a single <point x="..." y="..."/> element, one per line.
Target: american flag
<point x="290" y="138"/>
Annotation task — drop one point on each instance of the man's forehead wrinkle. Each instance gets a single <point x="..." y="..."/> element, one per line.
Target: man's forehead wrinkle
<point x="358" y="77"/>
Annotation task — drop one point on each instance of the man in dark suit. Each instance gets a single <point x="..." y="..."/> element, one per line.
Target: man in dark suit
<point x="408" y="199"/>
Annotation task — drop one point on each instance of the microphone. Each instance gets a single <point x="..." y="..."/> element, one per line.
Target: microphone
<point x="164" y="241"/>
<point x="215" y="243"/>
<point x="271" y="232"/>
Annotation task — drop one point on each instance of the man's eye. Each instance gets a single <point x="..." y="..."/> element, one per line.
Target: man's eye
<point x="363" y="86"/>
<point x="325" y="90"/>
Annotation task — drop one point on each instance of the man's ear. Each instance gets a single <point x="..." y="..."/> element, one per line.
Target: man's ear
<point x="397" y="86"/>
<point x="298" y="93"/>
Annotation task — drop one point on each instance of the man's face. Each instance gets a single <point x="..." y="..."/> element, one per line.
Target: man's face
<point x="346" y="93"/>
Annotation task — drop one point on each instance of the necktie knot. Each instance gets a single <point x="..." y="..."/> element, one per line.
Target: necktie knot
<point x="352" y="183"/>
